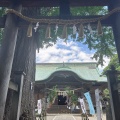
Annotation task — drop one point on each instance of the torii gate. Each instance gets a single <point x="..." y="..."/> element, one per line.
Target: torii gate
<point x="11" y="30"/>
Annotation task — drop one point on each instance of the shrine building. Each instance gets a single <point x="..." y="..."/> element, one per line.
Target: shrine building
<point x="80" y="77"/>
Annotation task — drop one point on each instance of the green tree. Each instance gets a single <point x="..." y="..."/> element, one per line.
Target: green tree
<point x="76" y="11"/>
<point x="53" y="94"/>
<point x="113" y="62"/>
<point x="2" y="12"/>
<point x="106" y="94"/>
<point x="103" y="45"/>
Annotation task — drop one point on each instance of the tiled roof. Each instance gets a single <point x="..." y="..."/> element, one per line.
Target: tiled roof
<point x="86" y="71"/>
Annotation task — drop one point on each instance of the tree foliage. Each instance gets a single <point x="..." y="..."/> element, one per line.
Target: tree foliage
<point x="113" y="62"/>
<point x="76" y="11"/>
<point x="2" y="12"/>
<point x="102" y="45"/>
<point x="73" y="99"/>
<point x="106" y="94"/>
<point x="49" y="11"/>
<point x="53" y="94"/>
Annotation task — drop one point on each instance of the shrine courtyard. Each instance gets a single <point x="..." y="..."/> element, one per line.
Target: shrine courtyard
<point x="69" y="117"/>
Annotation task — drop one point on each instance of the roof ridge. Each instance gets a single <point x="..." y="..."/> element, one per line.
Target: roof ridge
<point x="69" y="63"/>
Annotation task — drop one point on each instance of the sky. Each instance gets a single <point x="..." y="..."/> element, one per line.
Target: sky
<point x="67" y="52"/>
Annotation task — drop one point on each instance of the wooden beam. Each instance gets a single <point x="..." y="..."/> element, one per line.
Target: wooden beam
<point x="55" y="3"/>
<point x="63" y="83"/>
<point x="23" y="23"/>
<point x="13" y="86"/>
<point x="64" y="10"/>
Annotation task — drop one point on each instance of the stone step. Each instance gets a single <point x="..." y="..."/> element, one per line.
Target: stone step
<point x="60" y="109"/>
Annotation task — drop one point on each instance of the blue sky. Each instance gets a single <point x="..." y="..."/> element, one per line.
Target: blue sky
<point x="66" y="52"/>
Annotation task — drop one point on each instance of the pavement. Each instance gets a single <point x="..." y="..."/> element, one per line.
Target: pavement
<point x="70" y="117"/>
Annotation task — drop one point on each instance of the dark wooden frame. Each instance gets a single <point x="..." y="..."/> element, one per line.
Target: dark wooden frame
<point x="55" y="3"/>
<point x="10" y="35"/>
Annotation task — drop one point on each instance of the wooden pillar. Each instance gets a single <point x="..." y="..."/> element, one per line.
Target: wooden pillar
<point x="114" y="95"/>
<point x="108" y="112"/>
<point x="64" y="9"/>
<point x="17" y="96"/>
<point x="7" y="54"/>
<point x="115" y="19"/>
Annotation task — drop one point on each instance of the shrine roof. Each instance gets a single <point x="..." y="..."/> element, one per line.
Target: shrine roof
<point x="55" y="3"/>
<point x="86" y="71"/>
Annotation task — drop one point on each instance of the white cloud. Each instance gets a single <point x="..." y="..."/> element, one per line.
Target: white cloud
<point x="62" y="52"/>
<point x="107" y="60"/>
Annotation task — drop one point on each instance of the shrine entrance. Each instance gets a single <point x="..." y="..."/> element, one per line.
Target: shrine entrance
<point x="63" y="84"/>
<point x="17" y="53"/>
<point x="62" y="100"/>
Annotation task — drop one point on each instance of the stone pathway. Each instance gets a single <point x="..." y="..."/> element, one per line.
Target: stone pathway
<point x="69" y="117"/>
<point x="64" y="117"/>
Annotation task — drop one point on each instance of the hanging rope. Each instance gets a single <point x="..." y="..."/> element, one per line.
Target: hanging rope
<point x="60" y="21"/>
<point x="64" y="23"/>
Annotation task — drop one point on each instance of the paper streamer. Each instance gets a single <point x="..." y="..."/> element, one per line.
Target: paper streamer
<point x="82" y="104"/>
<point x="39" y="106"/>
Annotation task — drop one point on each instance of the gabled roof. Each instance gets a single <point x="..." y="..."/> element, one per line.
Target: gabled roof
<point x="86" y="71"/>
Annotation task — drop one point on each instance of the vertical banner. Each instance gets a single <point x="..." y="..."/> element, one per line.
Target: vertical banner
<point x="82" y="103"/>
<point x="39" y="106"/>
<point x="98" y="104"/>
<point x="87" y="95"/>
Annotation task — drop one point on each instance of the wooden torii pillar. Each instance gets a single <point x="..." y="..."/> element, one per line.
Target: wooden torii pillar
<point x="7" y="54"/>
<point x="114" y="95"/>
<point x="115" y="19"/>
<point x="115" y="101"/>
